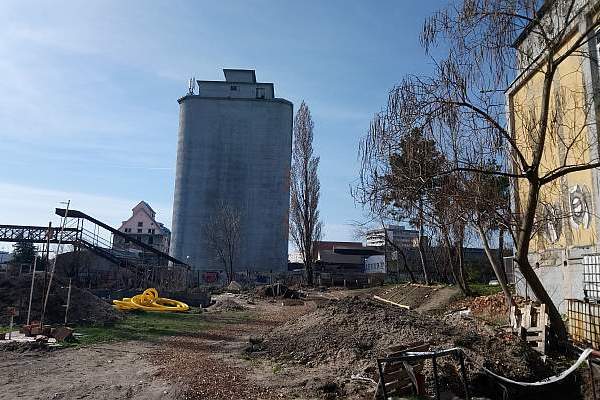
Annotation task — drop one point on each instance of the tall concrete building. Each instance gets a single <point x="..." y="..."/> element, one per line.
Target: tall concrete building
<point x="234" y="149"/>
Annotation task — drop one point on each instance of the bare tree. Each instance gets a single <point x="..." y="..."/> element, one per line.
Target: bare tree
<point x="485" y="201"/>
<point x="222" y="235"/>
<point x="485" y="45"/>
<point x="305" y="227"/>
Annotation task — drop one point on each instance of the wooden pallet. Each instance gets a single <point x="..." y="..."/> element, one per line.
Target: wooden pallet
<point x="401" y="378"/>
<point x="530" y="323"/>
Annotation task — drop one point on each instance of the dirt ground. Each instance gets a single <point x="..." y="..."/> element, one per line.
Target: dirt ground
<point x="108" y="371"/>
<point x="260" y="348"/>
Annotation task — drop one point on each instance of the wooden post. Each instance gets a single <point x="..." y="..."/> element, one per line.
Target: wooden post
<point x="31" y="290"/>
<point x="10" y="328"/>
<point x="68" y="301"/>
<point x="13" y="312"/>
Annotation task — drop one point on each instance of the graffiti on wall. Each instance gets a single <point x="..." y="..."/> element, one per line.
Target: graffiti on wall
<point x="579" y="203"/>
<point x="552" y="225"/>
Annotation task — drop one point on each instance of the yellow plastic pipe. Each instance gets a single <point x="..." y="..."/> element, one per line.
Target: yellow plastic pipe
<point x="149" y="301"/>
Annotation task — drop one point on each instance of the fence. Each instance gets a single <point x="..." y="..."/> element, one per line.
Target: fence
<point x="584" y="322"/>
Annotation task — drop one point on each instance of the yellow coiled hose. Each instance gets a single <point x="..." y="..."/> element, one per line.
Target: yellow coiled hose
<point x="149" y="301"/>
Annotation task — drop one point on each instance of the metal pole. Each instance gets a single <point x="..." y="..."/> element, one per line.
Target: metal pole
<point x="69" y="302"/>
<point x="592" y="378"/>
<point x="48" y="235"/>
<point x="463" y="371"/>
<point x="31" y="291"/>
<point x="435" y="377"/>
<point x="381" y="380"/>
<point x="62" y="228"/>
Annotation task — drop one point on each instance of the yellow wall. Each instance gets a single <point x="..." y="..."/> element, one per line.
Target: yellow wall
<point x="567" y="135"/>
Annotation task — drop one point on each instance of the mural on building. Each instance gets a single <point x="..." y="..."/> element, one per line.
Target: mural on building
<point x="552" y="224"/>
<point x="579" y="203"/>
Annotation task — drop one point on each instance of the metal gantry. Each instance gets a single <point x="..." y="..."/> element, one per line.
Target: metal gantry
<point x="37" y="234"/>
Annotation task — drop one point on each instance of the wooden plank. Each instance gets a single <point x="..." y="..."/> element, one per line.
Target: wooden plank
<point x="402" y="374"/>
<point x="399" y="353"/>
<point x="398" y="384"/>
<point x="408" y="347"/>
<point x="391" y="302"/>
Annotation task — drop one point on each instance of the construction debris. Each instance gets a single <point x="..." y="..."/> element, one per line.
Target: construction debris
<point x="491" y="304"/>
<point x="231" y="302"/>
<point x="530" y="323"/>
<point x="280" y="290"/>
<point x="234" y="287"/>
<point x="345" y="337"/>
<point x="62" y="333"/>
<point x="35" y="332"/>
<point x="402" y="377"/>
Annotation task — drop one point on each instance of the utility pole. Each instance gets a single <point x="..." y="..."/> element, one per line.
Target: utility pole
<point x="47" y="263"/>
<point x="31" y="291"/>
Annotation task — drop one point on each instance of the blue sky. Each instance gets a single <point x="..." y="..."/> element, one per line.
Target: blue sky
<point x="88" y="95"/>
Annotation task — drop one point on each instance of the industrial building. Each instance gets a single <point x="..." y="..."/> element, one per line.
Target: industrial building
<point x="144" y="227"/>
<point x="234" y="150"/>
<point x="398" y="234"/>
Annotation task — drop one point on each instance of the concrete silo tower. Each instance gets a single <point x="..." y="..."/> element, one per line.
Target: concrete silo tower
<point x="234" y="148"/>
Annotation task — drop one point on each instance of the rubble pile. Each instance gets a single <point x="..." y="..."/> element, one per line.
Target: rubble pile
<point x="231" y="302"/>
<point x="494" y="304"/>
<point x="348" y="335"/>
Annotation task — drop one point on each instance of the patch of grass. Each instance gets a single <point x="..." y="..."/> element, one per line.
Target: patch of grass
<point x="150" y="326"/>
<point x="277" y="368"/>
<point x="481" y="289"/>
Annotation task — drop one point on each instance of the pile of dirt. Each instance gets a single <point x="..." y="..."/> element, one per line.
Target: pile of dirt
<point x="348" y="335"/>
<point x="494" y="304"/>
<point x="85" y="308"/>
<point x="231" y="302"/>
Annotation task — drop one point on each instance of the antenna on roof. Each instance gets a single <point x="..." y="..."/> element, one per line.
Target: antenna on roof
<point x="192" y="86"/>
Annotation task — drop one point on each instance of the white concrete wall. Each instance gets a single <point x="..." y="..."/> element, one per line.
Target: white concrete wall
<point x="561" y="281"/>
<point x="224" y="89"/>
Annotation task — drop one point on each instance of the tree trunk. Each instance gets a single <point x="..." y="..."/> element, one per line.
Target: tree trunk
<point x="557" y="325"/>
<point x="498" y="270"/>
<point x="452" y="267"/>
<point x="501" y="253"/>
<point x="421" y="250"/>
<point x="410" y="273"/>
<point x="461" y="265"/>
<point x="401" y="252"/>
<point x="436" y="267"/>
<point x="309" y="274"/>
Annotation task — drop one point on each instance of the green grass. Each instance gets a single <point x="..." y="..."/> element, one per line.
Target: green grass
<point x="481" y="289"/>
<point x="152" y="326"/>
